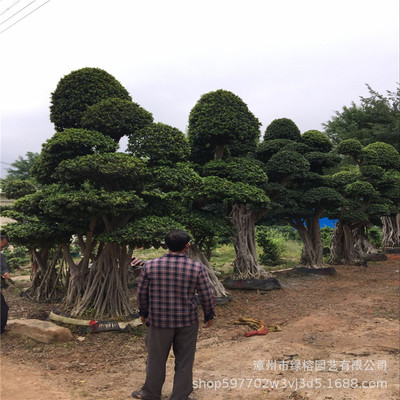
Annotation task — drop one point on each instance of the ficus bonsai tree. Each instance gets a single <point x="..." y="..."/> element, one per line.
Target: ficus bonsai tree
<point x="299" y="184"/>
<point x="371" y="190"/>
<point x="223" y="134"/>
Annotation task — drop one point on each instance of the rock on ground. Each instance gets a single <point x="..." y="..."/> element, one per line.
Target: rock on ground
<point x="41" y="331"/>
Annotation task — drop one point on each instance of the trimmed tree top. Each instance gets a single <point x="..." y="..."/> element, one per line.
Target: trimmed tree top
<point x="245" y="170"/>
<point x="221" y="124"/>
<point x="116" y="117"/>
<point x="161" y="144"/>
<point x="316" y="141"/>
<point x="282" y="128"/>
<point x="77" y="91"/>
<point x="381" y="154"/>
<point x="373" y="190"/>
<point x="67" y="145"/>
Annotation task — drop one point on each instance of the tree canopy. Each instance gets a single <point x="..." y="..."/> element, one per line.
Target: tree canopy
<point x="223" y="135"/>
<point x="299" y="184"/>
<point x="79" y="90"/>
<point x="220" y="125"/>
<point x="21" y="167"/>
<point x="115" y="117"/>
<point x="66" y="145"/>
<point x="371" y="191"/>
<point x="375" y="119"/>
<point x="282" y="128"/>
<point x="159" y="144"/>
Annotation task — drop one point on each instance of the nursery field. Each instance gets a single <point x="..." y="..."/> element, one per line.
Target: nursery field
<point x="338" y="339"/>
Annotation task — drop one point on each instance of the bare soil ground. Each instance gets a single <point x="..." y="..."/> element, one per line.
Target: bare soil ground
<point x="342" y="333"/>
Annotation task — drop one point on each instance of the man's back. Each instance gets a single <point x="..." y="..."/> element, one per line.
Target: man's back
<point x="167" y="288"/>
<point x="168" y="306"/>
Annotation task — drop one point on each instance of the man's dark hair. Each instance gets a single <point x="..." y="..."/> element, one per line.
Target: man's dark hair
<point x="177" y="239"/>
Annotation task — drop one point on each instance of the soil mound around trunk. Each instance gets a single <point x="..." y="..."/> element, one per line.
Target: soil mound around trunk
<point x="303" y="271"/>
<point x="252" y="284"/>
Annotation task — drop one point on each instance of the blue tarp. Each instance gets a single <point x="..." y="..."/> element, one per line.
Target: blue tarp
<point x="327" y="222"/>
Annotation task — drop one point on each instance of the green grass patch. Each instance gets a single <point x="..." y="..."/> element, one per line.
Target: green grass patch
<point x="292" y="251"/>
<point x="222" y="257"/>
<point x="221" y="260"/>
<point x="148" y="254"/>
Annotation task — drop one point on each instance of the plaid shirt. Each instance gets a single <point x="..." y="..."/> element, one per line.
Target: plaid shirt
<point x="166" y="291"/>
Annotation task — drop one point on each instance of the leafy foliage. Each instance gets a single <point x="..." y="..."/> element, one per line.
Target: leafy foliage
<point x="286" y="163"/>
<point x="375" y="119"/>
<point x="381" y="154"/>
<point x="220" y="125"/>
<point x="145" y="232"/>
<point x="326" y="236"/>
<point x="66" y="145"/>
<point x="322" y="197"/>
<point x="300" y="185"/>
<point x="86" y="202"/>
<point x="321" y="161"/>
<point x="350" y="147"/>
<point x="375" y="235"/>
<point x="283" y="128"/>
<point x="343" y="178"/>
<point x="316" y="141"/>
<point x="268" y="148"/>
<point x="34" y="233"/>
<point x="160" y="144"/>
<point x="374" y="190"/>
<point x="21" y="168"/>
<point x="15" y="189"/>
<point x="230" y="193"/>
<point x="32" y="228"/>
<point x="360" y="190"/>
<point x="208" y="229"/>
<point x="246" y="170"/>
<point x="16" y="257"/>
<point x="174" y="178"/>
<point x="112" y="171"/>
<point x="116" y="117"/>
<point x="272" y="245"/>
<point x="77" y="91"/>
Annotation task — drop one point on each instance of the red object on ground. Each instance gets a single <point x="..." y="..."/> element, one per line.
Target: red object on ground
<point x="253" y="333"/>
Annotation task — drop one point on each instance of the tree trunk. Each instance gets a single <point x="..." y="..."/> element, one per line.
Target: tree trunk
<point x="105" y="290"/>
<point x="245" y="265"/>
<point x="310" y="234"/>
<point x="349" y="244"/>
<point x="362" y="244"/>
<point x="343" y="246"/>
<point x="45" y="280"/>
<point x="391" y="231"/>
<point x="217" y="287"/>
<point x="77" y="275"/>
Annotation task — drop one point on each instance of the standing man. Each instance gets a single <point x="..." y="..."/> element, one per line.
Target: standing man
<point x="5" y="274"/>
<point x="169" y="308"/>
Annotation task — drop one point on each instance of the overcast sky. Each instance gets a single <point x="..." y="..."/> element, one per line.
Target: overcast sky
<point x="298" y="59"/>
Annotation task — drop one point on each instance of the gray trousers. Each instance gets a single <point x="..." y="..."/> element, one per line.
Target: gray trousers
<point x="159" y="341"/>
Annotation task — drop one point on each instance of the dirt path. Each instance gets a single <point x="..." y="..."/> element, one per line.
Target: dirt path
<point x="23" y="382"/>
<point x="342" y="331"/>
